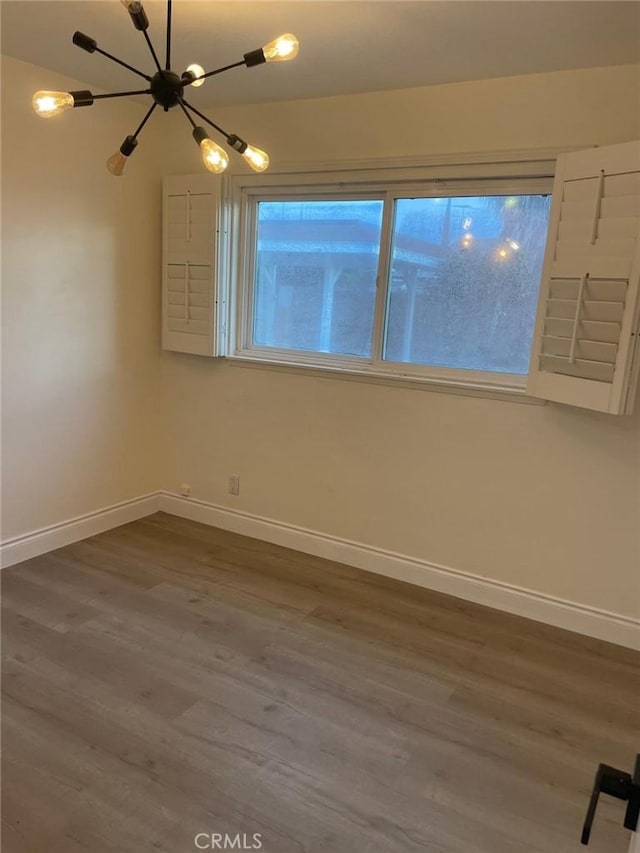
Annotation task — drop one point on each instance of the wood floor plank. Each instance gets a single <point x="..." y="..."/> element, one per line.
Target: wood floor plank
<point x="166" y="678"/>
<point x="138" y="766"/>
<point x="44" y="605"/>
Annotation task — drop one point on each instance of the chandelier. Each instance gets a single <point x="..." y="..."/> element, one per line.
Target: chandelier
<point x="166" y="88"/>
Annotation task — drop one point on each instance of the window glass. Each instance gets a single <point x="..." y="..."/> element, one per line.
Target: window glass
<point x="464" y="281"/>
<point x="315" y="279"/>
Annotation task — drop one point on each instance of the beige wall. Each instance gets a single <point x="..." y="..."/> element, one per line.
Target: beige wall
<point x="80" y="309"/>
<point x="542" y="497"/>
<point x="566" y="108"/>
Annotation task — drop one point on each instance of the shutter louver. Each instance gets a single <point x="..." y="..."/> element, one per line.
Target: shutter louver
<point x="190" y="305"/>
<point x="585" y="344"/>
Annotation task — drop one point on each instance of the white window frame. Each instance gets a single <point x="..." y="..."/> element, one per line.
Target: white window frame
<point x="479" y="175"/>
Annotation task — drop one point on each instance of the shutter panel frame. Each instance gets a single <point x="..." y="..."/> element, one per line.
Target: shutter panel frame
<point x="590" y="289"/>
<point x="193" y="286"/>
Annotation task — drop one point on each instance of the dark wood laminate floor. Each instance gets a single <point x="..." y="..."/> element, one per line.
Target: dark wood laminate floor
<point x="166" y="679"/>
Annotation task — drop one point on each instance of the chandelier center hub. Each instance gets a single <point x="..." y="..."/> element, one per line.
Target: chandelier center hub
<point x="166" y="89"/>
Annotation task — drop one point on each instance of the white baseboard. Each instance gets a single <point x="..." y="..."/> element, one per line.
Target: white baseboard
<point x="591" y="621"/>
<point x="66" y="532"/>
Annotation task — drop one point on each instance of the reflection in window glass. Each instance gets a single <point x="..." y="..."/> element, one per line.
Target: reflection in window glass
<point x="316" y="269"/>
<point x="464" y="282"/>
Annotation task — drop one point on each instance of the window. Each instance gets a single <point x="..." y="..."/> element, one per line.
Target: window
<point x="462" y="274"/>
<point x="463" y="286"/>
<point x="410" y="283"/>
<point x="314" y="280"/>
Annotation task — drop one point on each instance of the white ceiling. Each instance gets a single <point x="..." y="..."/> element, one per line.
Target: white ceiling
<point x="345" y="47"/>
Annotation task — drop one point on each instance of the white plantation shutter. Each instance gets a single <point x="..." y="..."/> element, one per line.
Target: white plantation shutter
<point x="585" y="349"/>
<point x="192" y="301"/>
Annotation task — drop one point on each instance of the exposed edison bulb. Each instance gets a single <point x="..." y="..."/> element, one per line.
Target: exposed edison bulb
<point x="116" y="163"/>
<point x="197" y="71"/>
<point x="49" y="104"/>
<point x="280" y="49"/>
<point x="213" y="156"/>
<point x="133" y="6"/>
<point x="257" y="159"/>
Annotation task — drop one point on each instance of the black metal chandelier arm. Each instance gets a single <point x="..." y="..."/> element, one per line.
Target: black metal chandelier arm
<point x="85" y="42"/>
<point x="224" y="68"/>
<point x="144" y="120"/>
<point x="185" y="111"/>
<point x="204" y="118"/>
<point x="121" y="94"/>
<point x="168" y="60"/>
<point x="124" y="64"/>
<point x="152" y="49"/>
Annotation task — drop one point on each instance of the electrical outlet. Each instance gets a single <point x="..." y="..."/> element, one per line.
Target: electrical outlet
<point x="234" y="484"/>
<point x="185" y="489"/>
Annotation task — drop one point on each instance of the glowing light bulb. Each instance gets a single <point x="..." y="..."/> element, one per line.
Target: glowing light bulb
<point x="513" y="244"/>
<point x="197" y="71"/>
<point x="213" y="157"/>
<point x="49" y="104"/>
<point x="257" y="159"/>
<point x="467" y="240"/>
<point x="117" y="161"/>
<point x="281" y="49"/>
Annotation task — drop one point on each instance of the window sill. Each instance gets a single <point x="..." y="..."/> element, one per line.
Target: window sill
<point x="494" y="391"/>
